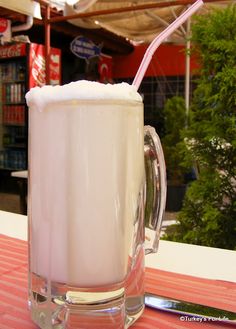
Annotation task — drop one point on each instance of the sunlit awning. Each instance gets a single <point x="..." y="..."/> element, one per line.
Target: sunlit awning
<point x="138" y="21"/>
<point x="26" y="7"/>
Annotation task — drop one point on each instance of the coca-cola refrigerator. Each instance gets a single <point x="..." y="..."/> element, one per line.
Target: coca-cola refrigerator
<point x="22" y="66"/>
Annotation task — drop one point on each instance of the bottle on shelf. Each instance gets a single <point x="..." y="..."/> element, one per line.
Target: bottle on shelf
<point x="13" y="130"/>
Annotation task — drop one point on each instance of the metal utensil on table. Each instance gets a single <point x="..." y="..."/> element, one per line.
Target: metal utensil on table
<point x="189" y="311"/>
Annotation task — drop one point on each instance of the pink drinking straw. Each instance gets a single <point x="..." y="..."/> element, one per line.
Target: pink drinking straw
<point x="160" y="38"/>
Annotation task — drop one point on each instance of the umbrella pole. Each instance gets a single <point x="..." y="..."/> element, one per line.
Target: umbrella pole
<point x="187" y="69"/>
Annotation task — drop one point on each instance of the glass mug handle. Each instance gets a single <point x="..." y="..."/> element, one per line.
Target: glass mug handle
<point x="155" y="192"/>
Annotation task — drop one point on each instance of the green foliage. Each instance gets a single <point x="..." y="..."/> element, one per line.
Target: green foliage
<point x="208" y="216"/>
<point x="174" y="121"/>
<point x="215" y="38"/>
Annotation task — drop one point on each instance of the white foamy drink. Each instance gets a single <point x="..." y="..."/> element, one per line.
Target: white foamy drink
<point x="86" y="172"/>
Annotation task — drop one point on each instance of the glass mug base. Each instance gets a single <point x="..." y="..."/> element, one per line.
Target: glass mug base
<point x="56" y="305"/>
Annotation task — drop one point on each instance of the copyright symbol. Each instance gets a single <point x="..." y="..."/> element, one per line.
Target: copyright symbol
<point x="182" y="318"/>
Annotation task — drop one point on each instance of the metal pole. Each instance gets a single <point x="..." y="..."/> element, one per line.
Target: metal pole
<point x="47" y="44"/>
<point x="187" y="69"/>
<point x="161" y="4"/>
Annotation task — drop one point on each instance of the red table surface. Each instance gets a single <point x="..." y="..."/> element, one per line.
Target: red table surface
<point x="13" y="293"/>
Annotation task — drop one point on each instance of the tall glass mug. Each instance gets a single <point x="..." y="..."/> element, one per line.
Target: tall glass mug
<point x="96" y="179"/>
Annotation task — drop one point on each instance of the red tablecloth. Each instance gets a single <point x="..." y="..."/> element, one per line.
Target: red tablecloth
<point x="13" y="293"/>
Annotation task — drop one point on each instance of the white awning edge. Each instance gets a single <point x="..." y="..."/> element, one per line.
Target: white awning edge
<point x="26" y="7"/>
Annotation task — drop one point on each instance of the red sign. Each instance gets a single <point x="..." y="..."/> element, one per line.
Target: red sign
<point x="16" y="50"/>
<point x="3" y="25"/>
<point x="38" y="66"/>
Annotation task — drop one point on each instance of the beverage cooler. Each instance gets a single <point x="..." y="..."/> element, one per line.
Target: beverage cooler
<point x="22" y="66"/>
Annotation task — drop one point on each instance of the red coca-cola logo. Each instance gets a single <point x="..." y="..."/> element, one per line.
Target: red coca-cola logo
<point x="39" y="77"/>
<point x="12" y="51"/>
<point x="38" y="68"/>
<point x="3" y="25"/>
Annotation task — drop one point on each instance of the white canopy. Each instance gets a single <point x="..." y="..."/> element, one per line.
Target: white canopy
<point x="138" y="21"/>
<point x="26" y="7"/>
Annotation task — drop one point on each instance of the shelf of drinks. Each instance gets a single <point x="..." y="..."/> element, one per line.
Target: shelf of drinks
<point x="13" y="71"/>
<point x="13" y="93"/>
<point x="12" y="168"/>
<point x="14" y="136"/>
<point x="13" y="159"/>
<point x="13" y="115"/>
<point x="12" y="103"/>
<point x="11" y="81"/>
<point x="15" y="146"/>
<point x="12" y="124"/>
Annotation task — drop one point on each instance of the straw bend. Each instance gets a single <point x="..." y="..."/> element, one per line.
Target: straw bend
<point x="160" y="38"/>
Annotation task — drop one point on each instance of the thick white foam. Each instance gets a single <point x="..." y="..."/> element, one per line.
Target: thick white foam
<point x="82" y="89"/>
